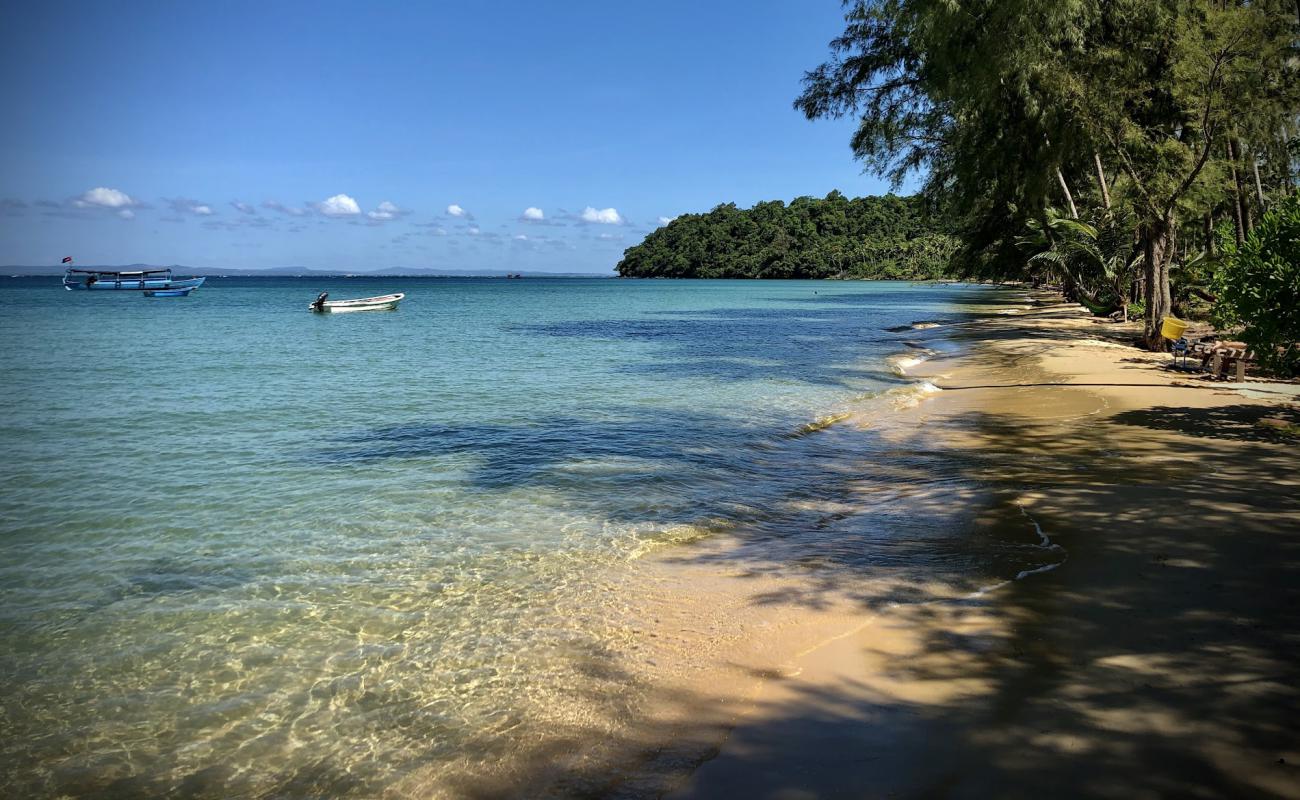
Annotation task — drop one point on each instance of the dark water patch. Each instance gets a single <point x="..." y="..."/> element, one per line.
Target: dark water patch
<point x="658" y="467"/>
<point x="172" y="577"/>
<point x="729" y="345"/>
<point x="735" y="370"/>
<point x="651" y="435"/>
<point x="631" y="465"/>
<point x="763" y="484"/>
<point x="855" y="299"/>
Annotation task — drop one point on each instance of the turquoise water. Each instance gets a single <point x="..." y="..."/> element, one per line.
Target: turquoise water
<point x="253" y="551"/>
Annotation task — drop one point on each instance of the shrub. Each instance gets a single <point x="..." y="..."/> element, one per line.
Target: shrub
<point x="1258" y="287"/>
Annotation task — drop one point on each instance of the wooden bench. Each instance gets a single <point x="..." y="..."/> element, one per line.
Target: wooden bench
<point x="1219" y="357"/>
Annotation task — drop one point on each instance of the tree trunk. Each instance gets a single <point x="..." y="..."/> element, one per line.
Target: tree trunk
<point x="1243" y="197"/>
<point x="1259" y="187"/>
<point x="1069" y="198"/>
<point x="1239" y="215"/>
<point x="1209" y="234"/>
<point x="1155" y="243"/>
<point x="1286" y="137"/>
<point x="1101" y="180"/>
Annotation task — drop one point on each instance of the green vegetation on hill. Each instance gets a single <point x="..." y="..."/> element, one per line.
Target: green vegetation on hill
<point x="833" y="237"/>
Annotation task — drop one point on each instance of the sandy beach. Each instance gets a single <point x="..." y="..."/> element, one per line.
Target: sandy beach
<point x="1154" y="656"/>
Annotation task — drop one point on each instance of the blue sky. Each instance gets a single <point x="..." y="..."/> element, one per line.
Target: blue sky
<point x="362" y="136"/>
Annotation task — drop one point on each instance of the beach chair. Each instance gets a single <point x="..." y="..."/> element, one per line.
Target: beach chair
<point x="1173" y="329"/>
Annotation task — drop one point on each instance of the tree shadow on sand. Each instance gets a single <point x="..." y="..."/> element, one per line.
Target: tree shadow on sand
<point x="1237" y="423"/>
<point x="1157" y="661"/>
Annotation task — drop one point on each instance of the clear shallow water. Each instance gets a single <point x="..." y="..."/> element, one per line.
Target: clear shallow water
<point x="250" y="550"/>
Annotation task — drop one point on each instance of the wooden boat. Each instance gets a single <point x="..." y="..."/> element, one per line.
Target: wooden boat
<point x="137" y="280"/>
<point x="384" y="302"/>
<point x="168" y="292"/>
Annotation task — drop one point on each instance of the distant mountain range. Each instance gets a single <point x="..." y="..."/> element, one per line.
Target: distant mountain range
<point x="290" y="272"/>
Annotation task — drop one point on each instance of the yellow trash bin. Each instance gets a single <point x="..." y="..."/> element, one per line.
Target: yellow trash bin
<point x="1172" y="329"/>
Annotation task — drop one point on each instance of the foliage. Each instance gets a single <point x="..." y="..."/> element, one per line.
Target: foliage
<point x="1093" y="262"/>
<point x="1258" y="286"/>
<point x="1160" y="112"/>
<point x="833" y="237"/>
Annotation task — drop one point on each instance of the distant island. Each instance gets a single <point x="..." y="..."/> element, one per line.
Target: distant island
<point x="887" y="237"/>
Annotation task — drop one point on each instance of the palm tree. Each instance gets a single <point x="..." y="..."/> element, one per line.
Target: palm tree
<point x="1088" y="259"/>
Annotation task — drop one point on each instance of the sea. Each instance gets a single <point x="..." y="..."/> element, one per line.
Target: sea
<point x="251" y="551"/>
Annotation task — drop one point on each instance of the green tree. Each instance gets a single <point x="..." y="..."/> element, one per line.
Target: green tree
<point x="1258" y="286"/>
<point x="1011" y="106"/>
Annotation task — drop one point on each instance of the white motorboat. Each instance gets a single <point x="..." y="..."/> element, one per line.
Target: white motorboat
<point x="385" y="302"/>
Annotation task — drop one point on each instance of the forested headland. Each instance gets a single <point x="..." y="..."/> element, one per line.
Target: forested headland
<point x="886" y="237"/>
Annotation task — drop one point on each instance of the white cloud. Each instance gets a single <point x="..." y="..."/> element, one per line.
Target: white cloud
<point x="104" y="197"/>
<point x="610" y="237"/>
<point x="520" y="237"/>
<point x="533" y="214"/>
<point x="126" y="213"/>
<point x="243" y="208"/>
<point x="183" y="205"/>
<point x="455" y="210"/>
<point x="340" y="205"/>
<point x="474" y="230"/>
<point x="666" y="220"/>
<point x="604" y="216"/>
<point x="385" y="212"/>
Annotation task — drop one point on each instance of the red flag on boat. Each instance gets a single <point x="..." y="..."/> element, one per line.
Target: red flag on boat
<point x="67" y="259"/>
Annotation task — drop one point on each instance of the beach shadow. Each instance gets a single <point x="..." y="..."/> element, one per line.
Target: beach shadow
<point x="1157" y="660"/>
<point x="1236" y="423"/>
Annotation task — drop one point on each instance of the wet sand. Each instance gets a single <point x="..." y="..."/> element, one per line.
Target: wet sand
<point x="1158" y="658"/>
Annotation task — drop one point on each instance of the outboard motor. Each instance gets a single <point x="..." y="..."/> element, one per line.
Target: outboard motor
<point x="319" y="304"/>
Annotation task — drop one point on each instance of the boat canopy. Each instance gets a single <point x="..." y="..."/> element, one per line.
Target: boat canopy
<point x="135" y="273"/>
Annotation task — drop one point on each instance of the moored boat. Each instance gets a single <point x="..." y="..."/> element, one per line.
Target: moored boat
<point x="385" y="302"/>
<point x="134" y="280"/>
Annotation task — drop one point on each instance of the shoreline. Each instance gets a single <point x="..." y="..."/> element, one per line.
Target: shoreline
<point x="1102" y="671"/>
<point x="719" y="611"/>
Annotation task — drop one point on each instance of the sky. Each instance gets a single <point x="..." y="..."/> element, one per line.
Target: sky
<point x="460" y="136"/>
